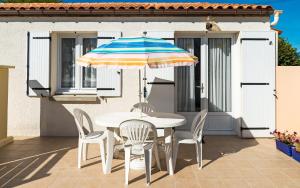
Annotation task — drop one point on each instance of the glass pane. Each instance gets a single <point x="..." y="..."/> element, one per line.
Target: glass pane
<point x="219" y="75"/>
<point x="68" y="62"/>
<point x="189" y="78"/>
<point x="89" y="73"/>
<point x="197" y="52"/>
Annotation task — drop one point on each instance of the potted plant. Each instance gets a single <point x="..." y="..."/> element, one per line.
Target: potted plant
<point x="297" y="144"/>
<point x="296" y="150"/>
<point x="284" y="141"/>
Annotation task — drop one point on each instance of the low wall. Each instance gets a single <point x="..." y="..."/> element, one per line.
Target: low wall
<point x="4" y="76"/>
<point x="288" y="101"/>
<point x="3" y="102"/>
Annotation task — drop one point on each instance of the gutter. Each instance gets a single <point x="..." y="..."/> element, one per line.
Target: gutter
<point x="277" y="14"/>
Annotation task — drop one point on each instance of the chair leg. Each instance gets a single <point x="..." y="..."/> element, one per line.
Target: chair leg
<point x="79" y="153"/>
<point x="199" y="154"/>
<point x="148" y="159"/>
<point x="127" y="163"/>
<point x="175" y="152"/>
<point x="83" y="152"/>
<point x="157" y="156"/>
<point x="102" y="154"/>
<point x="86" y="151"/>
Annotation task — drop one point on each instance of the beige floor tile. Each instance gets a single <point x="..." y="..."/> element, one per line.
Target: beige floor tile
<point x="292" y="172"/>
<point x="295" y="182"/>
<point x="192" y="183"/>
<point x="249" y="173"/>
<point x="90" y="182"/>
<point x="210" y="183"/>
<point x="271" y="173"/>
<point x="284" y="182"/>
<point x="228" y="162"/>
<point x="65" y="182"/>
<point x="228" y="173"/>
<point x="259" y="182"/>
<point x="234" y="183"/>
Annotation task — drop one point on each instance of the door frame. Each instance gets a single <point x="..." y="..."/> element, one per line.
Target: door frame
<point x="204" y="80"/>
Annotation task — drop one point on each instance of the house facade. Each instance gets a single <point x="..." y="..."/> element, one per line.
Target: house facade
<point x="234" y="79"/>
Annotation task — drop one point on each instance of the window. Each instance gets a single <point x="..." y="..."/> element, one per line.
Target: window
<point x="189" y="78"/>
<point x="219" y="74"/>
<point x="74" y="78"/>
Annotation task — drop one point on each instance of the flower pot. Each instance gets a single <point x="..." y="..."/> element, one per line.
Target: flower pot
<point x="297" y="145"/>
<point x="295" y="154"/>
<point x="287" y="149"/>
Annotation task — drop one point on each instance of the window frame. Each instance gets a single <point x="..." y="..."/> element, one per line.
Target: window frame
<point x="78" y="89"/>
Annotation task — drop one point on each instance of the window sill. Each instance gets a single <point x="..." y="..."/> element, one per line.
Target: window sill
<point x="75" y="98"/>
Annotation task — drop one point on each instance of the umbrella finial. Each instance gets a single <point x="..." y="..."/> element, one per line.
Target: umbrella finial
<point x="144" y="33"/>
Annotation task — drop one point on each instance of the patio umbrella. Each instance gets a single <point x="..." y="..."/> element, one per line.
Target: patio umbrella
<point x="137" y="53"/>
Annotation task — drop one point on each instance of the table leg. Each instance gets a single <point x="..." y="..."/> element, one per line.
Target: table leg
<point x="110" y="149"/>
<point x="168" y="150"/>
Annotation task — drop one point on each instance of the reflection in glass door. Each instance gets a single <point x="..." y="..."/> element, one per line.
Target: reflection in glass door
<point x="188" y="79"/>
<point x="89" y="74"/>
<point x="68" y="62"/>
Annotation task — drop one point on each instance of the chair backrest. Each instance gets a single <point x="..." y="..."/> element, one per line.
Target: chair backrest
<point x="137" y="131"/>
<point x="80" y="116"/>
<point x="143" y="107"/>
<point x="198" y="124"/>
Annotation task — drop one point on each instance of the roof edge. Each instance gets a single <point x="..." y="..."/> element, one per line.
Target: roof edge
<point x="133" y="9"/>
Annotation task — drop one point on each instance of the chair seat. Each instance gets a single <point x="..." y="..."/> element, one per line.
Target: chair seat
<point x="93" y="135"/>
<point x="184" y="137"/>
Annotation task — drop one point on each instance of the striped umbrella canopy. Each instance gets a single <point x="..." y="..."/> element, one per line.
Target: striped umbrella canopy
<point x="137" y="53"/>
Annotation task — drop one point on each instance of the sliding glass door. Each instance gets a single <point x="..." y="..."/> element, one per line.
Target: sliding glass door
<point x="208" y="84"/>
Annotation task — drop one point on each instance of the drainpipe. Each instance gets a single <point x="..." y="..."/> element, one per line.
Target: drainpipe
<point x="276" y="17"/>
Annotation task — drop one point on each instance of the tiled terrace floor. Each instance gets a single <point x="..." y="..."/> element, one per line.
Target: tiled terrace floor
<point x="229" y="162"/>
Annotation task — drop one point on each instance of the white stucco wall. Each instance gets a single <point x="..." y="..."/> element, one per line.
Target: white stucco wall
<point x="42" y="116"/>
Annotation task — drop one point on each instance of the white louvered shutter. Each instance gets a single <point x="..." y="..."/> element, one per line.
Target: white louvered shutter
<point x="108" y="80"/>
<point x="160" y="82"/>
<point x="38" y="64"/>
<point x="258" y="61"/>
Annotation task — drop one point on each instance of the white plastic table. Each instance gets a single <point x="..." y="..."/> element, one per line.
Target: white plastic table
<point x="162" y="120"/>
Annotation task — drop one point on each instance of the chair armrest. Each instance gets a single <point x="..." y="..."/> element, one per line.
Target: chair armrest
<point x="148" y="146"/>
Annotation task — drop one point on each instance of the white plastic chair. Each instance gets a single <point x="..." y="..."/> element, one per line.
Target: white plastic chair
<point x="135" y="134"/>
<point x="143" y="107"/>
<point x="146" y="107"/>
<point x="88" y="137"/>
<point x="194" y="136"/>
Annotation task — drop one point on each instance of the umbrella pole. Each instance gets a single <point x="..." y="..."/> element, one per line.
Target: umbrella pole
<point x="140" y="87"/>
<point x="145" y="82"/>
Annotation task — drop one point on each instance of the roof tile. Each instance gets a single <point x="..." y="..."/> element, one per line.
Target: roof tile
<point x="131" y="6"/>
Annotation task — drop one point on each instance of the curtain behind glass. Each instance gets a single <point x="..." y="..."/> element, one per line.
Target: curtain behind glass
<point x="68" y="63"/>
<point x="89" y="73"/>
<point x="185" y="80"/>
<point x="219" y="60"/>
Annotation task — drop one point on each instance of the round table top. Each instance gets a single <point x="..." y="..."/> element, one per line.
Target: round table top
<point x="159" y="119"/>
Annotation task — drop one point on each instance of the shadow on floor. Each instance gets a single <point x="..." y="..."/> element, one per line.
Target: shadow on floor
<point x="214" y="148"/>
<point x="27" y="160"/>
